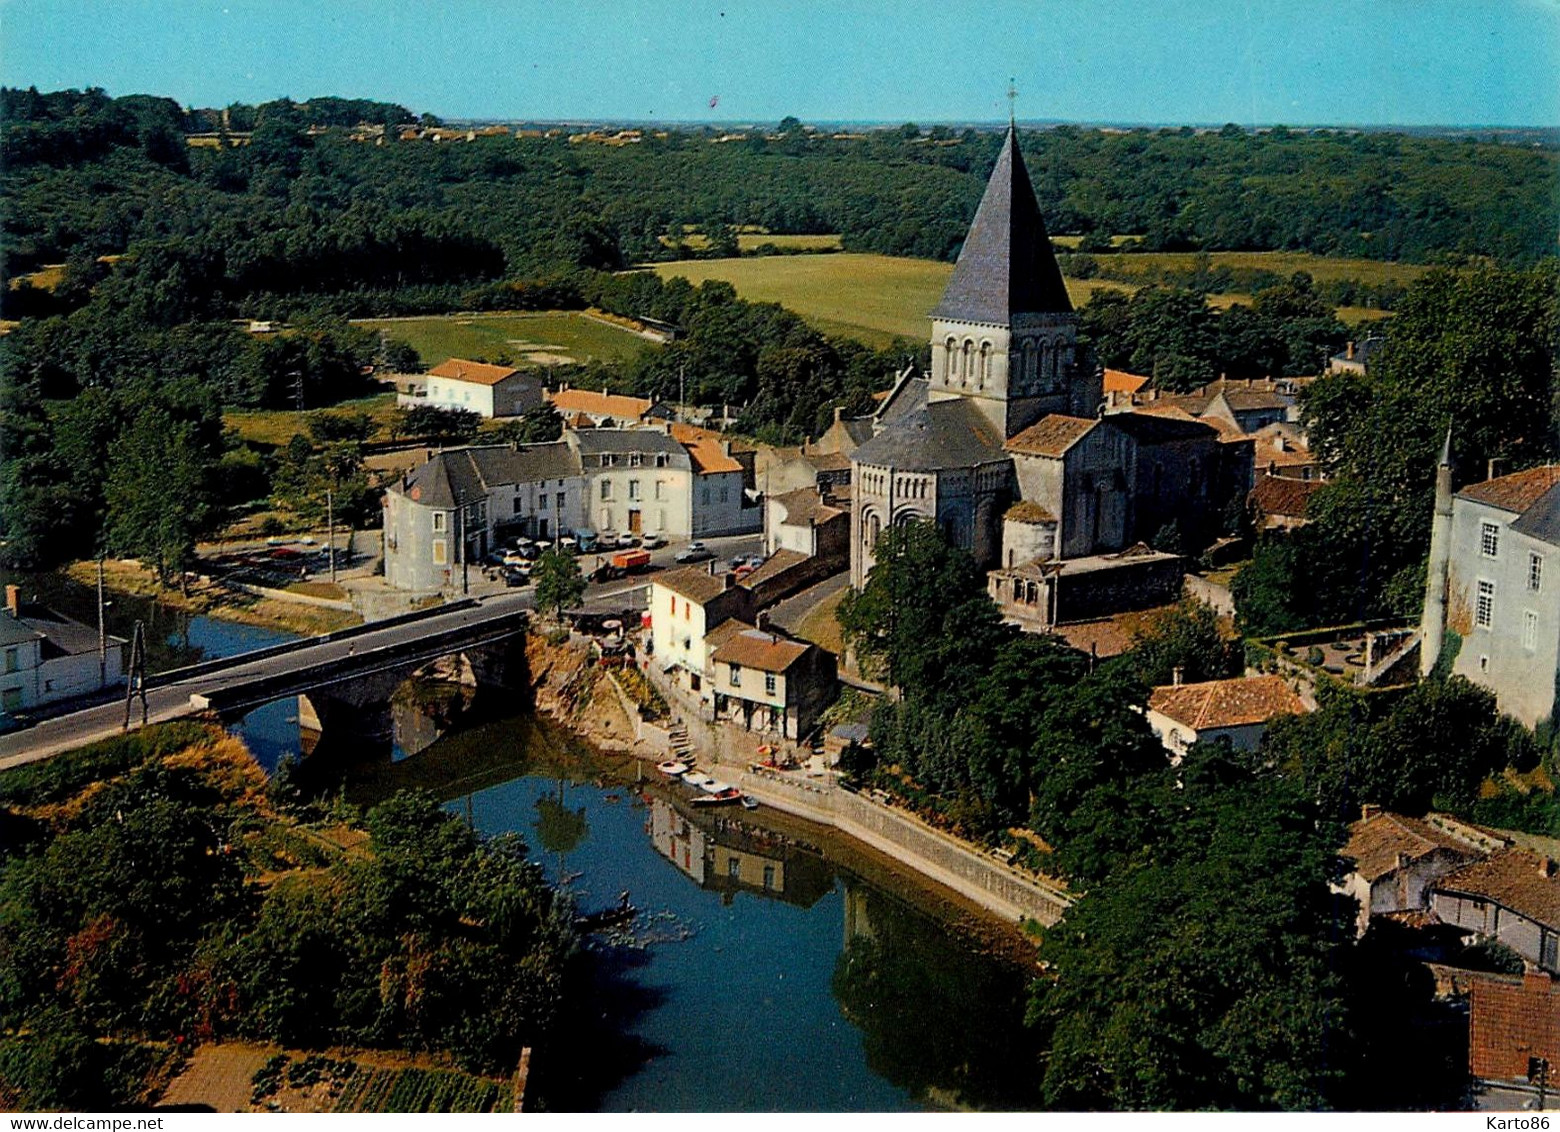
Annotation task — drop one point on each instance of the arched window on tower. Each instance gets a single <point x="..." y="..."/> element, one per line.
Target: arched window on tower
<point x="1029" y="362"/>
<point x="1040" y="363"/>
<point x="950" y="360"/>
<point x="967" y="369"/>
<point x="985" y="366"/>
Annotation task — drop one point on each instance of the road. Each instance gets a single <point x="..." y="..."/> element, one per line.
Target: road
<point x="170" y="700"/>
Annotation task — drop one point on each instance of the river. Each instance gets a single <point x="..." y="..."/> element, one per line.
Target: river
<point x="771" y="966"/>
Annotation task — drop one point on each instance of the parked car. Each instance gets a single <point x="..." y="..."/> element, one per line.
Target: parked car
<point x="651" y="539"/>
<point x="514" y="558"/>
<point x="515" y="578"/>
<point x="627" y="540"/>
<point x="494" y="557"/>
<point x="587" y="540"/>
<point x="695" y="551"/>
<point x="569" y="545"/>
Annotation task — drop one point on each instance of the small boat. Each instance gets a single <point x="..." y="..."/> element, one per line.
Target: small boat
<point x="672" y="768"/>
<point x="724" y="797"/>
<point x="714" y="786"/>
<point x="607" y="917"/>
<point x="694" y="778"/>
<point x="749" y="802"/>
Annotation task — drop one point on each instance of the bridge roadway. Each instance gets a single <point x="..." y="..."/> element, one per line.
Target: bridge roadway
<point x="240" y="683"/>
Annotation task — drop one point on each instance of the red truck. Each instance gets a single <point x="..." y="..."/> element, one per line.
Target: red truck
<point x="622" y="563"/>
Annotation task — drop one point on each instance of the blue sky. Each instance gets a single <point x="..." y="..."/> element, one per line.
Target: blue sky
<point x="1401" y="62"/>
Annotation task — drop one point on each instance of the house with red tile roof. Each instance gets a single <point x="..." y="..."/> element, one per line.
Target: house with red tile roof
<point x="1395" y="860"/>
<point x="767" y="682"/>
<point x="1238" y="710"/>
<point x="476" y="387"/>
<point x="1513" y="897"/>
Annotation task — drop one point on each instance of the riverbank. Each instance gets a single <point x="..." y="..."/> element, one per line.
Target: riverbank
<point x="921" y="865"/>
<point x="210" y="598"/>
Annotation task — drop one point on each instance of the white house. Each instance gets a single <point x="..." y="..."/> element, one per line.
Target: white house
<point x="490" y="391"/>
<point x="1238" y="710"/>
<point x="46" y="657"/>
<point x="685" y="605"/>
<point x="1398" y="859"/>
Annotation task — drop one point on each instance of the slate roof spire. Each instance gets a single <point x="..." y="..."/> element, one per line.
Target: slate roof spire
<point x="1006" y="265"/>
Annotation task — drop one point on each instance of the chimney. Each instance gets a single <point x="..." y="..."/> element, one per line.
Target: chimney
<point x="1369" y="810"/>
<point x="1493" y="467"/>
<point x="1177" y="674"/>
<point x="838" y="412"/>
<point x="1348" y="351"/>
<point x="711" y="567"/>
<point x="13" y="600"/>
<point x="727" y="580"/>
<point x="762" y="620"/>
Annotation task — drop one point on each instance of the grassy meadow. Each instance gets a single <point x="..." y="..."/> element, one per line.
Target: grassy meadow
<point x="544" y="338"/>
<point x="275" y="427"/>
<point x="876" y="298"/>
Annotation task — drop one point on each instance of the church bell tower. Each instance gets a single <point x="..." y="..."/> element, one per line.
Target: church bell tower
<point x="1005" y="335"/>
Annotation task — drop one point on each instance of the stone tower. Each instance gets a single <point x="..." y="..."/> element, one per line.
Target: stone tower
<point x="1005" y="334"/>
<point x="1432" y="624"/>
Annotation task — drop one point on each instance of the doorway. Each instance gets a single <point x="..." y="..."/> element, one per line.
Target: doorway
<point x="635" y="523"/>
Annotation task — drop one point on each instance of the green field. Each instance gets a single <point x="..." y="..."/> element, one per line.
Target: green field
<point x="1321" y="268"/>
<point x="872" y="298"/>
<point x="876" y="298"/>
<point x="546" y="338"/>
<point x="748" y="241"/>
<point x="275" y="427"/>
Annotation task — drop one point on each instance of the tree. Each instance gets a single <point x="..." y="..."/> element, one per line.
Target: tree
<point x="559" y="584"/>
<point x="1186" y="636"/>
<point x="540" y="425"/>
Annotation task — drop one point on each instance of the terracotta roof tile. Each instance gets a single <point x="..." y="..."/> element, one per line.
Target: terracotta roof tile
<point x="775" y="565"/>
<point x="1226" y="703"/>
<point x="1279" y="495"/>
<point x="760" y="649"/>
<point x="1120" y="381"/>
<point x="1377" y="843"/>
<point x="1513" y="878"/>
<point x="803" y="504"/>
<point x="1028" y="512"/>
<point x="1051" y="435"/>
<point x="599" y="404"/>
<point x="1516" y="492"/>
<point x="704" y="449"/>
<point x="693" y="583"/>
<point x="477" y="373"/>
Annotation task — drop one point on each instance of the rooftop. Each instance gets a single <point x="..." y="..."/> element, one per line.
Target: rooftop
<point x="805" y="505"/>
<point x="477" y="373"/>
<point x="758" y="648"/>
<point x="1516" y="492"/>
<point x="1514" y="878"/>
<point x="1379" y="844"/>
<point x="1226" y="703"/>
<point x="1027" y="512"/>
<point x="704" y="449"/>
<point x="775" y="565"/>
<point x="693" y="582"/>
<point x="938" y="435"/>
<point x="1006" y="264"/>
<point x="1120" y="381"/>
<point x="1542" y="519"/>
<point x="600" y="404"/>
<point x="1280" y="495"/>
<point x="1051" y="435"/>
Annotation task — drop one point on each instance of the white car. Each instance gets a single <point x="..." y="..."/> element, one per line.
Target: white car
<point x="626" y="540"/>
<point x="651" y="539"/>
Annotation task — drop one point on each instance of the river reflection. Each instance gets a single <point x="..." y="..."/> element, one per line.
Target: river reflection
<point x="759" y="974"/>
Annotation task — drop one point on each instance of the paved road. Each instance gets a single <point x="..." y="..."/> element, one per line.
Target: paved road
<point x="169" y="701"/>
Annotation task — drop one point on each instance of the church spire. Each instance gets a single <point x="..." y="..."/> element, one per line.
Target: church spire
<point x="1006" y="266"/>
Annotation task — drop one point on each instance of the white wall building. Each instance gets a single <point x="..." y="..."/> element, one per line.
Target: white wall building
<point x="490" y="391"/>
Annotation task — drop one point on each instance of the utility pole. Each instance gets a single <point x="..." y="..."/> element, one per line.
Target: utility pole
<point x="135" y="677"/>
<point x="330" y="532"/>
<point x="682" y="395"/>
<point x="460" y="527"/>
<point x="102" y="629"/>
<point x="297" y="376"/>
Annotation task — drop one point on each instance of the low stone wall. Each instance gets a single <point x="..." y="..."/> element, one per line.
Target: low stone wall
<point x="343" y="605"/>
<point x="997" y="887"/>
<point x="1210" y="594"/>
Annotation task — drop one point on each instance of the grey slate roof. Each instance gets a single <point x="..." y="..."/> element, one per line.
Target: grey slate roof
<point x="908" y="395"/>
<point x="1006" y="264"/>
<point x="595" y="441"/>
<point x="937" y="436"/>
<point x="1542" y="519"/>
<point x="471" y="473"/>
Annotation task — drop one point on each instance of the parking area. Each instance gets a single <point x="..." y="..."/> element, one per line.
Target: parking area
<point x="493" y="576"/>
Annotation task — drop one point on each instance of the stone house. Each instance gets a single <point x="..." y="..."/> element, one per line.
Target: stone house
<point x="766" y="682"/>
<point x="724" y="502"/>
<point x="1512" y="896"/>
<point x="814" y="521"/>
<point x="1278" y="503"/>
<point x="46" y="657"/>
<point x="1398" y="859"/>
<point x="1502" y="572"/>
<point x="637" y="479"/>
<point x="1239" y="710"/>
<point x="601" y="410"/>
<point x="487" y="390"/>
<point x="1041" y="596"/>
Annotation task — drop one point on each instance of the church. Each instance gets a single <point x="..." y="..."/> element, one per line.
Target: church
<point x="1005" y="443"/>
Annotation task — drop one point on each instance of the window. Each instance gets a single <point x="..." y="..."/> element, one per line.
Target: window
<point x="706" y="497"/>
<point x="606" y="489"/>
<point x="769" y="876"/>
<point x="1529" y="630"/>
<point x="736" y="675"/>
<point x="733" y="867"/>
<point x="13" y="661"/>
<point x="1484" y="605"/>
<point x="633" y="489"/>
<point x="660" y="459"/>
<point x="723" y="494"/>
<point x="1489" y="539"/>
<point x="769" y="683"/>
<point x="635" y="459"/>
<point x="438" y="520"/>
<point x="441" y="553"/>
<point x="608" y="460"/>
<point x="1535" y="573"/>
<point x="519" y="503"/>
<point x="660" y="490"/>
<point x="1547" y="956"/>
